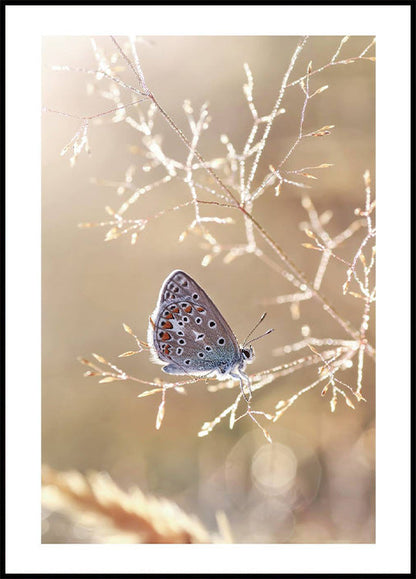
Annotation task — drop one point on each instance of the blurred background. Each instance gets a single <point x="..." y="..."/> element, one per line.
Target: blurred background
<point x="315" y="482"/>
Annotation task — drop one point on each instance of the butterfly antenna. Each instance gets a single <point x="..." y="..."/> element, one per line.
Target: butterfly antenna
<point x="254" y="329"/>
<point x="262" y="336"/>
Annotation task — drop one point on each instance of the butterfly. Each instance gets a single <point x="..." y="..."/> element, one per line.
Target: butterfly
<point x="188" y="334"/>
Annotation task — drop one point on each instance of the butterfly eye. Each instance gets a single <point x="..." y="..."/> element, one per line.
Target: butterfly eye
<point x="246" y="353"/>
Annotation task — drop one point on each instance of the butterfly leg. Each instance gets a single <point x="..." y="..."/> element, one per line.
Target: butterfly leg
<point x="243" y="377"/>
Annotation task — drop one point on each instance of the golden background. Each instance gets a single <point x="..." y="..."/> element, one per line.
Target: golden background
<point x="315" y="483"/>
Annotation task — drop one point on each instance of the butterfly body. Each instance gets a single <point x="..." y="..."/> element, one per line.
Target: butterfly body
<point x="188" y="334"/>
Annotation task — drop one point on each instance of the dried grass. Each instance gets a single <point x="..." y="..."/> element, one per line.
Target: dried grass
<point x="231" y="189"/>
<point x="114" y="516"/>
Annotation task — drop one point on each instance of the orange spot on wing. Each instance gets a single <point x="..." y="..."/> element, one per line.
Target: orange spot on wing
<point x="188" y="309"/>
<point x="176" y="310"/>
<point x="168" y="316"/>
<point x="200" y="309"/>
<point x="167" y="325"/>
<point x="165" y="337"/>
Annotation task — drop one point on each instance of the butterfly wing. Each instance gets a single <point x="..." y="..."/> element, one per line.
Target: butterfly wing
<point x="188" y="332"/>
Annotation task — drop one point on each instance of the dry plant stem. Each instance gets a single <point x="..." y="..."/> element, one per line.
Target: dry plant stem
<point x="237" y="194"/>
<point x="191" y="146"/>
<point x="275" y="110"/>
<point x="305" y="87"/>
<point x="335" y="62"/>
<point x="96" y="115"/>
<point x="286" y="260"/>
<point x="246" y="205"/>
<point x="116" y="374"/>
